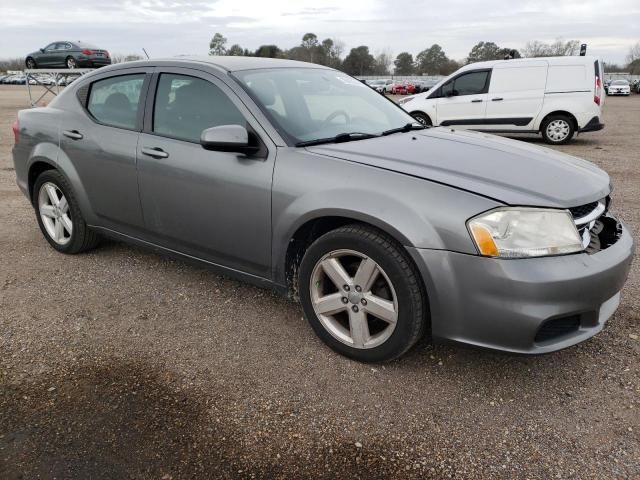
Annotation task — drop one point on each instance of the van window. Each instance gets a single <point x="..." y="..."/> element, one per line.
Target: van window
<point x="472" y="83"/>
<point x="516" y="79"/>
<point x="569" y="78"/>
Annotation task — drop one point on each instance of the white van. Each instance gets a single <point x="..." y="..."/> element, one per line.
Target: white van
<point x="554" y="96"/>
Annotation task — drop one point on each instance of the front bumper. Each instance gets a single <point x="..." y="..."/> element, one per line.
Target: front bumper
<point x="509" y="304"/>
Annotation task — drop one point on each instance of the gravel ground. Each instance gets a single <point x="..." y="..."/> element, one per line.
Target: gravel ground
<point x="124" y="364"/>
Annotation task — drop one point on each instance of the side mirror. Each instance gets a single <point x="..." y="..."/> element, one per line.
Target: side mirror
<point x="229" y="138"/>
<point x="42" y="50"/>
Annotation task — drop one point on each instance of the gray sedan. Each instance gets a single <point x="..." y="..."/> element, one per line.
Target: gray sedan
<point x="300" y="178"/>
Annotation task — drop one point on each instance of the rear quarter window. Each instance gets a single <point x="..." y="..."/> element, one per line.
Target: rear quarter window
<point x="115" y="101"/>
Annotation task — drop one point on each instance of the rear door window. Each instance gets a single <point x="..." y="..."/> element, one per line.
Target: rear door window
<point x="115" y="101"/>
<point x="186" y="106"/>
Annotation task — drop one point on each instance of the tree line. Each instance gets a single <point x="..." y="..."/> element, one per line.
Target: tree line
<point x="430" y="61"/>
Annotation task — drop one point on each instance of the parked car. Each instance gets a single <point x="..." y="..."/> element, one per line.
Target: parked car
<point x="619" y="87"/>
<point x="66" y="54"/>
<point x="607" y="82"/>
<point x="388" y="232"/>
<point x="398" y="88"/>
<point x="377" y="85"/>
<point x="552" y="96"/>
<point x="424" y="85"/>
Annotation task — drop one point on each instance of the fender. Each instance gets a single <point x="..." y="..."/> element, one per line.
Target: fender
<point x="414" y="218"/>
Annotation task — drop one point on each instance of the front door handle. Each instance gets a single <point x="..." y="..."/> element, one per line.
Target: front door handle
<point x="497" y="99"/>
<point x="73" y="134"/>
<point x="155" y="152"/>
<point x="477" y="100"/>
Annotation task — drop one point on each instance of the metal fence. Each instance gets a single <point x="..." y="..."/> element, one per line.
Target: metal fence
<point x="401" y="78"/>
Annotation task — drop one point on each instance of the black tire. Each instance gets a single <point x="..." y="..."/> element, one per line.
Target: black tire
<point x="30" y="63"/>
<point x="413" y="313"/>
<point x="557" y="118"/>
<point x="423" y="118"/>
<point x="71" y="63"/>
<point x="82" y="237"/>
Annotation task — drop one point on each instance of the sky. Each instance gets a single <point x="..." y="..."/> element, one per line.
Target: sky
<point x="174" y="27"/>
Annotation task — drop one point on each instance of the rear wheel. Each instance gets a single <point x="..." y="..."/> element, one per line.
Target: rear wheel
<point x="362" y="294"/>
<point x="423" y="118"/>
<point x="59" y="215"/>
<point x="557" y="129"/>
<point x="71" y="63"/>
<point x="30" y="63"/>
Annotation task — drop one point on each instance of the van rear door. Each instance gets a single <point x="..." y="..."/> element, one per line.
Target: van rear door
<point x="516" y="95"/>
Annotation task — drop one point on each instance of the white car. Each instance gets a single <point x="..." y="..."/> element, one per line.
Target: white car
<point x="555" y="96"/>
<point x="619" y="87"/>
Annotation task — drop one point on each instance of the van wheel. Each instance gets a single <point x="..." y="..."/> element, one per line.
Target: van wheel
<point x="423" y="118"/>
<point x="362" y="294"/>
<point x="557" y="129"/>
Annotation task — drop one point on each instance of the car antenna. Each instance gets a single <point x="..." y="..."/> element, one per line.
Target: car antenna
<point x="145" y="52"/>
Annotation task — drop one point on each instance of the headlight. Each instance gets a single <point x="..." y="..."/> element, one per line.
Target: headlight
<point x="402" y="101"/>
<point x="524" y="232"/>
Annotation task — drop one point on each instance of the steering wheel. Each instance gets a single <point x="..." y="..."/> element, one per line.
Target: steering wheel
<point x="338" y="113"/>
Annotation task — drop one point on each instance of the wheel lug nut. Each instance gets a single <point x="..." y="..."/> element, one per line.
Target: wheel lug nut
<point x="345" y="300"/>
<point x="355" y="308"/>
<point x="358" y="289"/>
<point x="346" y="288"/>
<point x="364" y="301"/>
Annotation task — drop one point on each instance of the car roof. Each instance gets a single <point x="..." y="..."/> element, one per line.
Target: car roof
<point x="227" y="63"/>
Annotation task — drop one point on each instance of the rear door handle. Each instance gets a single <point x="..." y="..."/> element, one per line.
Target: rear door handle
<point x="155" y="152"/>
<point x="73" y="134"/>
<point x="497" y="99"/>
<point x="477" y="100"/>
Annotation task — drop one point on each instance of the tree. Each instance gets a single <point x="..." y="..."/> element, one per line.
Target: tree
<point x="235" y="50"/>
<point x="310" y="45"/>
<point x="404" y="64"/>
<point x="359" y="61"/>
<point x="450" y="67"/>
<point x="270" y="51"/>
<point x="383" y="61"/>
<point x="633" y="58"/>
<point x="484" y="51"/>
<point x="559" y="48"/>
<point x="217" y="45"/>
<point x="432" y="60"/>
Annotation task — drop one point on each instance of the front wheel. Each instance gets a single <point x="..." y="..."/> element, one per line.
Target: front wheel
<point x="30" y="63"/>
<point x="557" y="130"/>
<point x="362" y="294"/>
<point x="423" y="118"/>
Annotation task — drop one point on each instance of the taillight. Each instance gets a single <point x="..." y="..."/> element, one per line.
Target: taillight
<point x="16" y="131"/>
<point x="597" y="91"/>
<point x="86" y="51"/>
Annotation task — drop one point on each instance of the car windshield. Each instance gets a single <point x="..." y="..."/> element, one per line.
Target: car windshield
<point x="307" y="104"/>
<point x="619" y="82"/>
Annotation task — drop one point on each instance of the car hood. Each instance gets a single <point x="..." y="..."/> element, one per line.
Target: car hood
<point x="510" y="171"/>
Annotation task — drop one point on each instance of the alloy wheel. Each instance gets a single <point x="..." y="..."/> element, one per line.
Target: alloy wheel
<point x="71" y="63"/>
<point x="558" y="130"/>
<point x="54" y="212"/>
<point x="354" y="299"/>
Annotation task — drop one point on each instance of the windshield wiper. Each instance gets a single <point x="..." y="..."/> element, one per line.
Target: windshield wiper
<point x="340" y="138"/>
<point x="406" y="128"/>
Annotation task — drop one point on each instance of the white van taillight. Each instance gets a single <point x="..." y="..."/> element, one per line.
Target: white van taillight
<point x="597" y="91"/>
<point x="16" y="131"/>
